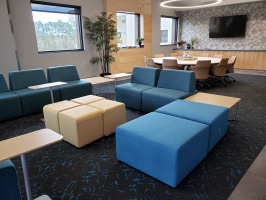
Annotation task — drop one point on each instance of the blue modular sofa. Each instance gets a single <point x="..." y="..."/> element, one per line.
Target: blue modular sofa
<point x="75" y="87"/>
<point x="32" y="101"/>
<point x="142" y="93"/>
<point x="172" y="85"/>
<point x="9" y="102"/>
<point x="9" y="187"/>
<point x="169" y="143"/>
<point x="143" y="78"/>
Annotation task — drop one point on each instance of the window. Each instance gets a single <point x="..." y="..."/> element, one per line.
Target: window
<point x="128" y="29"/>
<point x="57" y="27"/>
<point x="168" y="30"/>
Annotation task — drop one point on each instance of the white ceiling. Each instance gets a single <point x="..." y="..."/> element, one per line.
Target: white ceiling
<point x="224" y="2"/>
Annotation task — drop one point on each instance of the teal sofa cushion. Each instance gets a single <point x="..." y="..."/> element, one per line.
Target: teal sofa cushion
<point x="62" y="73"/>
<point x="3" y="85"/>
<point x="165" y="147"/>
<point x="130" y="94"/>
<point x="214" y="116"/>
<point x="177" y="80"/>
<point x="155" y="98"/>
<point x="145" y="75"/>
<point x="23" y="79"/>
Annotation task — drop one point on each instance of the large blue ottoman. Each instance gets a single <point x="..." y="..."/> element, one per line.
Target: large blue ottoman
<point x="214" y="116"/>
<point x="162" y="146"/>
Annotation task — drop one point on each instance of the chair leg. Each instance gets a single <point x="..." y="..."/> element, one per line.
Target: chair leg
<point x="229" y="77"/>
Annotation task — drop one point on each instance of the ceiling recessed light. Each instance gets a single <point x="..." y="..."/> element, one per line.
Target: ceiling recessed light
<point x="188" y="3"/>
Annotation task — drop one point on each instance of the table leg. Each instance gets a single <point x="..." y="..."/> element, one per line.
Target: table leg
<point x="52" y="95"/>
<point x="115" y="81"/>
<point x="26" y="176"/>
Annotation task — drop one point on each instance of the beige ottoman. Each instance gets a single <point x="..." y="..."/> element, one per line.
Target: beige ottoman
<point x="87" y="99"/>
<point x="114" y="114"/>
<point x="51" y="112"/>
<point x="81" y="125"/>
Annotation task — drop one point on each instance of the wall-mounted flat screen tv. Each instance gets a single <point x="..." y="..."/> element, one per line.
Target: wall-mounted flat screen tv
<point x="229" y="26"/>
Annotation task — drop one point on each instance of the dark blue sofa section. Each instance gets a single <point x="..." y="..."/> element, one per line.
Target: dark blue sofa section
<point x="75" y="87"/>
<point x="143" y="78"/>
<point x="172" y="85"/>
<point x="9" y="102"/>
<point x="9" y="186"/>
<point x="32" y="101"/>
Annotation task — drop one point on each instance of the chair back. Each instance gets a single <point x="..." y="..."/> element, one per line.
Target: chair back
<point x="204" y="54"/>
<point x="150" y="63"/>
<point x="221" y="68"/>
<point x="177" y="80"/>
<point x="23" y="79"/>
<point x="158" y="55"/>
<point x="231" y="64"/>
<point x="218" y="56"/>
<point x="62" y="73"/>
<point x="3" y="85"/>
<point x="173" y="54"/>
<point x="145" y="75"/>
<point x="202" y="69"/>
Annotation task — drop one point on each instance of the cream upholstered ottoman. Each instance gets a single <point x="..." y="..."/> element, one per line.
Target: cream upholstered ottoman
<point x="81" y="125"/>
<point x="114" y="114"/>
<point x="87" y="99"/>
<point x="51" y="112"/>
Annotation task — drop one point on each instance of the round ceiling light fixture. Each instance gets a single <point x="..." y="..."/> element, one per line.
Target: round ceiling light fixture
<point x="189" y="3"/>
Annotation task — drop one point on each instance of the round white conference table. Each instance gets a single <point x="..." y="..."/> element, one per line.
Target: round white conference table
<point x="180" y="61"/>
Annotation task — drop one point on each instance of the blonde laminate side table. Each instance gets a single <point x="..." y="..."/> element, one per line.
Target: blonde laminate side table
<point x="48" y="85"/>
<point x="19" y="146"/>
<point x="217" y="100"/>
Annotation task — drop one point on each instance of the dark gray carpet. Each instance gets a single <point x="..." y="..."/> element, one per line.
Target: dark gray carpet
<point x="93" y="172"/>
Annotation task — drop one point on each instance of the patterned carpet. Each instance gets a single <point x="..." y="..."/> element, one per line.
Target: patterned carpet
<point x="93" y="172"/>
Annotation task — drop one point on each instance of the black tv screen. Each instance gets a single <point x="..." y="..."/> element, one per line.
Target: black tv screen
<point x="230" y="26"/>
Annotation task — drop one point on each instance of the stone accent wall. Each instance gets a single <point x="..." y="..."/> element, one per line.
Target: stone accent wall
<point x="195" y="23"/>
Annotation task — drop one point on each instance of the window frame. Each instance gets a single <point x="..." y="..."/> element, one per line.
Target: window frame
<point x="176" y="29"/>
<point x="132" y="13"/>
<point x="80" y="23"/>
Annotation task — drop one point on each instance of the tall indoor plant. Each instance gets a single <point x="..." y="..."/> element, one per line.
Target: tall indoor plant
<point x="101" y="32"/>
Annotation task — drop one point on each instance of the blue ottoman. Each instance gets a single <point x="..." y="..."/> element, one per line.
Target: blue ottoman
<point x="214" y="116"/>
<point x="162" y="146"/>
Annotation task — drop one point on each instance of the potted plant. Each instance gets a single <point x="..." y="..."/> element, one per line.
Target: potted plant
<point x="192" y="41"/>
<point x="188" y="45"/>
<point x="180" y="44"/>
<point x="101" y="32"/>
<point x="140" y="39"/>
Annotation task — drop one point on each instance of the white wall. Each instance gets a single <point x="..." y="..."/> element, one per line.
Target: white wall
<point x="27" y="45"/>
<point x="8" y="61"/>
<point x="157" y="11"/>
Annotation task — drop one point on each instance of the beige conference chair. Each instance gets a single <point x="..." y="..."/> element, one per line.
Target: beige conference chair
<point x="150" y="63"/>
<point x="219" y="71"/>
<point x="230" y="67"/>
<point x="171" y="64"/>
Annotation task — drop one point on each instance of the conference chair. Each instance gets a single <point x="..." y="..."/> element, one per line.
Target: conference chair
<point x="218" y="56"/>
<point x="230" y="68"/>
<point x="150" y="63"/>
<point x="171" y="64"/>
<point x="201" y="70"/>
<point x="158" y="55"/>
<point x="174" y="55"/>
<point x="219" y="72"/>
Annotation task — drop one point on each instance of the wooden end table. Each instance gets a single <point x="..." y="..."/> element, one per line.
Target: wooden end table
<point x="217" y="100"/>
<point x="47" y="85"/>
<point x="19" y="146"/>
